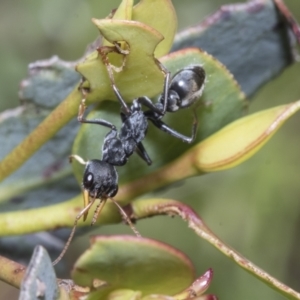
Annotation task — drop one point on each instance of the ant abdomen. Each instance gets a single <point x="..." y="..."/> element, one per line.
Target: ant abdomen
<point x="186" y="87"/>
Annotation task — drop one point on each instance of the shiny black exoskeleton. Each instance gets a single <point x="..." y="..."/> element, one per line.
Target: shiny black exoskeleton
<point x="100" y="178"/>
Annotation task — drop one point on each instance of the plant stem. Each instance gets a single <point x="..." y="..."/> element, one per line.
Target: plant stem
<point x="11" y="272"/>
<point x="150" y="207"/>
<point x="43" y="132"/>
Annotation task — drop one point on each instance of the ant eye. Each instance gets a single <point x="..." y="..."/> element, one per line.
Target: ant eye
<point x="88" y="180"/>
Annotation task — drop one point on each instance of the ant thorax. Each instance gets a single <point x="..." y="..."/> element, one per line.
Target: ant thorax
<point x="118" y="147"/>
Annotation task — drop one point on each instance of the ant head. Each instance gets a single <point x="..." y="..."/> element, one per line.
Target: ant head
<point x="186" y="87"/>
<point x="100" y="180"/>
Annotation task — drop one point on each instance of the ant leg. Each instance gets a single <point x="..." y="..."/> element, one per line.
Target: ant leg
<point x="81" y="119"/>
<point x="140" y="150"/>
<point x="165" y="94"/>
<point x="113" y="84"/>
<point x="149" y="104"/>
<point x="127" y="219"/>
<point x="124" y="106"/>
<point x="142" y="153"/>
<point x="164" y="127"/>
<point x="83" y="212"/>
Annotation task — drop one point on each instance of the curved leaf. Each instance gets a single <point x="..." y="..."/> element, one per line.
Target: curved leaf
<point x="241" y="139"/>
<point x="123" y="12"/>
<point x="161" y="15"/>
<point x="158" y="14"/>
<point x="127" y="262"/>
<point x="142" y="34"/>
<point x="140" y="69"/>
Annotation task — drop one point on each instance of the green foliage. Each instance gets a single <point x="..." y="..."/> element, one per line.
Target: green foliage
<point x="127" y="262"/>
<point x="135" y="267"/>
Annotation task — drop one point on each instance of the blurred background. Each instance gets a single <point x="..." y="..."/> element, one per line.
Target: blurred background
<point x="254" y="207"/>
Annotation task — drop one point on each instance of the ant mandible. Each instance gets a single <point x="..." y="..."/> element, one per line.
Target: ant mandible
<point x="100" y="179"/>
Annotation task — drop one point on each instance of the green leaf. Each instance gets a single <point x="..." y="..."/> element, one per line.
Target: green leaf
<point x="124" y="11"/>
<point x="149" y="81"/>
<point x="241" y="139"/>
<point x="127" y="262"/>
<point x="160" y="15"/>
<point x="143" y="32"/>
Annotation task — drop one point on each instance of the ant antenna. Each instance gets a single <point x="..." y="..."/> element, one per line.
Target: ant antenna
<point x="126" y="218"/>
<point x="84" y="213"/>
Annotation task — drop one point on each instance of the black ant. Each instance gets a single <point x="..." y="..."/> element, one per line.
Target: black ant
<point x="100" y="179"/>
